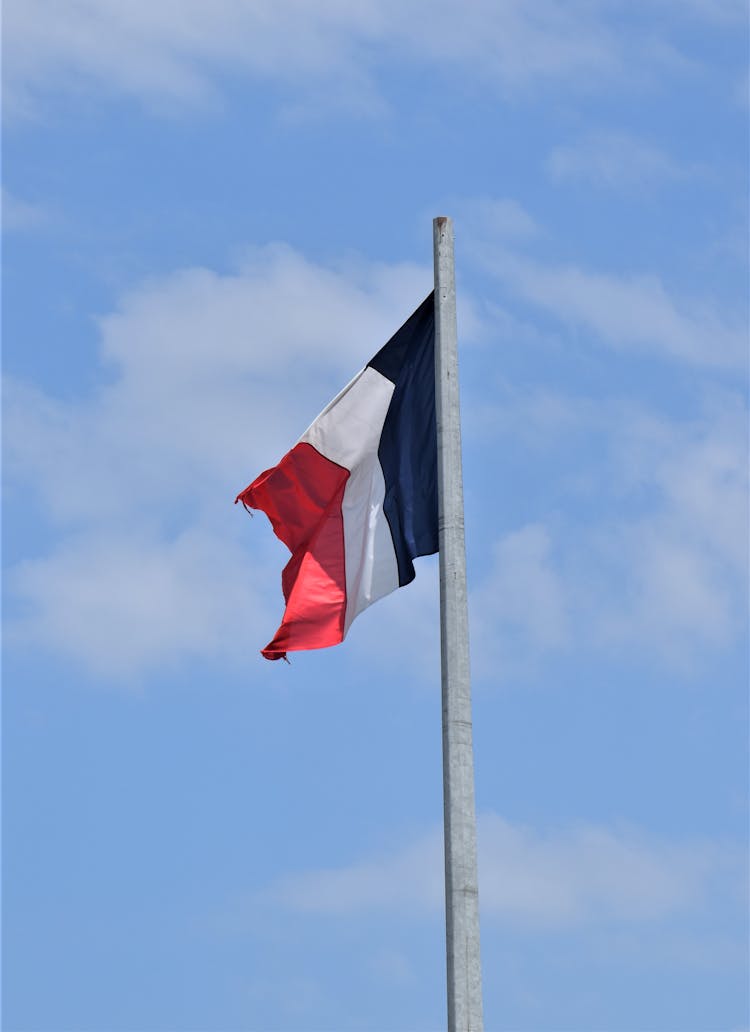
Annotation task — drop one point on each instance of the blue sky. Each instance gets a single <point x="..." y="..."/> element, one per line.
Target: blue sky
<point x="213" y="216"/>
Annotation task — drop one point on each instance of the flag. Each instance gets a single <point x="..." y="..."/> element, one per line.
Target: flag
<point x="355" y="500"/>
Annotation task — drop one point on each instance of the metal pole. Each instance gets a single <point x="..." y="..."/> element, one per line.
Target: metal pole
<point x="461" y="888"/>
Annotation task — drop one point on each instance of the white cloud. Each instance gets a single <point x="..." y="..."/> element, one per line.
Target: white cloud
<point x="615" y="160"/>
<point x="298" y="997"/>
<point x="729" y="12"/>
<point x="519" y="607"/>
<point x="684" y="562"/>
<point x="121" y="605"/>
<point x="212" y="378"/>
<point x="663" y="568"/>
<point x="20" y="216"/>
<point x="661" y="571"/>
<point x="626" y="312"/>
<point x="175" y="52"/>
<point x="411" y="878"/>
<point x="515" y="44"/>
<point x="393" y="967"/>
<point x="171" y="53"/>
<point x="495" y="218"/>
<point x="590" y="874"/>
<point x="584" y="874"/>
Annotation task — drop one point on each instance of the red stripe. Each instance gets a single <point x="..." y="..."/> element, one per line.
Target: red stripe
<point x="302" y="498"/>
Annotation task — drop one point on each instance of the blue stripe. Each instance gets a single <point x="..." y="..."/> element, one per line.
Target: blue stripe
<point x="408" y="443"/>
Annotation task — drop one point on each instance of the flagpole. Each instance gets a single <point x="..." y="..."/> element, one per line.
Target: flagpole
<point x="461" y="887"/>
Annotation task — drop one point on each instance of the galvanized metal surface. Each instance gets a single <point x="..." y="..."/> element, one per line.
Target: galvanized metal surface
<point x="461" y="887"/>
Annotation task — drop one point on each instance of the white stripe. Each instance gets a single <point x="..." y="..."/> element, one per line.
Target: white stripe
<point x="349" y="428"/>
<point x="348" y="432"/>
<point x="371" y="568"/>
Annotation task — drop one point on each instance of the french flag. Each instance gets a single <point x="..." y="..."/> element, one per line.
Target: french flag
<point x="355" y="500"/>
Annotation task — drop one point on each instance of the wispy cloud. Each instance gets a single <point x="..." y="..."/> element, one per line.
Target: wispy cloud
<point x="662" y="569"/>
<point x="687" y="558"/>
<point x="121" y="605"/>
<point x="554" y="878"/>
<point x="169" y="55"/>
<point x="211" y="375"/>
<point x="722" y="12"/>
<point x="495" y="218"/>
<point x="616" y="161"/>
<point x="628" y="312"/>
<point x="20" y="216"/>
<point x="632" y="310"/>
<point x="521" y="599"/>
